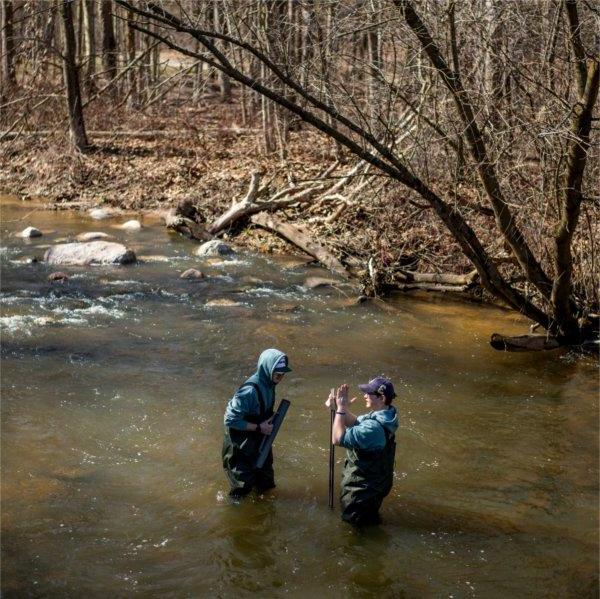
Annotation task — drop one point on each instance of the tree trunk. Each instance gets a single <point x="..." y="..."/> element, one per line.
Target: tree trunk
<point x="71" y="77"/>
<point x="109" y="44"/>
<point x="375" y="63"/>
<point x="579" y="144"/>
<point x="89" y="27"/>
<point x="219" y="26"/>
<point x="8" y="47"/>
<point x="132" y="76"/>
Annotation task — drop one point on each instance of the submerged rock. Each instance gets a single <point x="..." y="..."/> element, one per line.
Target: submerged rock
<point x="92" y="236"/>
<point x="131" y="225"/>
<point x="153" y="258"/>
<point x="250" y="280"/>
<point x="100" y="213"/>
<point x="223" y="303"/>
<point x="316" y="282"/>
<point x="30" y="232"/>
<point x="215" y="247"/>
<point x="92" y="252"/>
<point x="192" y="273"/>
<point x="58" y="276"/>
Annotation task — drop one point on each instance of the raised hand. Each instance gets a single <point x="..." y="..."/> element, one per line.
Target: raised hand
<point x="330" y="403"/>
<point x="341" y="397"/>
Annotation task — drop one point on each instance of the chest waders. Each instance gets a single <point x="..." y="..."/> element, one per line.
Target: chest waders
<point x="240" y="450"/>
<point x="367" y="479"/>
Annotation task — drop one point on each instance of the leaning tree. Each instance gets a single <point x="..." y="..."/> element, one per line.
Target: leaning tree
<point x="478" y="97"/>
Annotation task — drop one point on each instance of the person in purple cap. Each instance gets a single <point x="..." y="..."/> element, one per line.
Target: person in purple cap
<point x="371" y="447"/>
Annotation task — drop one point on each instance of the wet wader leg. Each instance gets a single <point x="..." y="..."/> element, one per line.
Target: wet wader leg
<point x="265" y="477"/>
<point x="360" y="513"/>
<point x="238" y="467"/>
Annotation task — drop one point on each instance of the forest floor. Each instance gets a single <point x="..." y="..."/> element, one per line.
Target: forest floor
<point x="149" y="161"/>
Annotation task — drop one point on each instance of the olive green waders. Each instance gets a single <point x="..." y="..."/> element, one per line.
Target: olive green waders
<point x="367" y="479"/>
<point x="240" y="451"/>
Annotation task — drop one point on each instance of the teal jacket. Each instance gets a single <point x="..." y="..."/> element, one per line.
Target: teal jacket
<point x="245" y="402"/>
<point x="367" y="432"/>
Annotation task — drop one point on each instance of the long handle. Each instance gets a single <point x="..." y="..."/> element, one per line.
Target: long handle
<point x="267" y="442"/>
<point x="331" y="456"/>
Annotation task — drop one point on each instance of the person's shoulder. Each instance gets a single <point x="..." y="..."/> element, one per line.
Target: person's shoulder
<point x="370" y="425"/>
<point x="369" y="433"/>
<point x="246" y="392"/>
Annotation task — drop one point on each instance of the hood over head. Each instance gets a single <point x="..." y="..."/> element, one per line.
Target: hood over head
<point x="269" y="362"/>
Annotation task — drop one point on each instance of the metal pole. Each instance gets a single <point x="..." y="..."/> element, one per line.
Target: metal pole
<point x="331" y="452"/>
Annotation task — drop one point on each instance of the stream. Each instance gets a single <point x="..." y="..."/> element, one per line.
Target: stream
<point x="114" y="385"/>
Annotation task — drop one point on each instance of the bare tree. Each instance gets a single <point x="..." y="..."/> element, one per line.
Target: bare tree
<point x="8" y="46"/>
<point x="71" y="76"/>
<point x="89" y="31"/>
<point x="556" y="307"/>
<point x="109" y="44"/>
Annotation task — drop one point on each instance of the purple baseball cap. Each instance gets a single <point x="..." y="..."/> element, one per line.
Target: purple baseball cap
<point x="282" y="365"/>
<point x="379" y="386"/>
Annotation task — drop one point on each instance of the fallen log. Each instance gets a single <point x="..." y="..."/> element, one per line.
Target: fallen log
<point x="429" y="287"/>
<point x="438" y="278"/>
<point x="523" y="342"/>
<point x="301" y="238"/>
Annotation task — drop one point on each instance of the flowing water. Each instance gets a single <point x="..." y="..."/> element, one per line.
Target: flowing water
<point x="113" y="390"/>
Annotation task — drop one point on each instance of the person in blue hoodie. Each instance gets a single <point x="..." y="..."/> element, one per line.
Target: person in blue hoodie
<point x="247" y="419"/>
<point x="371" y="448"/>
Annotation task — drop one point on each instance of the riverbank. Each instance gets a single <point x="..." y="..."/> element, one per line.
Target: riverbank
<point x="149" y="162"/>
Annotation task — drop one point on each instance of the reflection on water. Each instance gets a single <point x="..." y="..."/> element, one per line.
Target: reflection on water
<point x="113" y="389"/>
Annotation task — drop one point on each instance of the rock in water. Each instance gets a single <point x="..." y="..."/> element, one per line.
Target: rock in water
<point x="91" y="252"/>
<point x="223" y="303"/>
<point x="100" y="213"/>
<point x="317" y="282"/>
<point x="192" y="273"/>
<point x="214" y="248"/>
<point x="58" y="276"/>
<point x="30" y="232"/>
<point x="131" y="225"/>
<point x="92" y="236"/>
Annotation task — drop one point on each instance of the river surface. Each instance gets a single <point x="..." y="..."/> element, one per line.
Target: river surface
<point x="114" y="385"/>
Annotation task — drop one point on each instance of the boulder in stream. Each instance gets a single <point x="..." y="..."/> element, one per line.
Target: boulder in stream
<point x="192" y="273"/>
<point x="30" y="232"/>
<point x="317" y="282"/>
<point x="223" y="303"/>
<point x="215" y="247"/>
<point x="100" y="213"/>
<point x="92" y="236"/>
<point x="58" y="277"/>
<point x="131" y="225"/>
<point x="91" y="252"/>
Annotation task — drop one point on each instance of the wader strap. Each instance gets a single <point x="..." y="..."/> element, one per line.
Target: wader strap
<point x="261" y="401"/>
<point x="388" y="435"/>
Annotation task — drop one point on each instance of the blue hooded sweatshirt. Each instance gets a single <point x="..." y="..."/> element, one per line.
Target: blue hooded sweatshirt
<point x="245" y="401"/>
<point x="367" y="432"/>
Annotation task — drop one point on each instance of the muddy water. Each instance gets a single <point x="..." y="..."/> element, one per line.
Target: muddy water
<point x="113" y="390"/>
